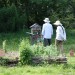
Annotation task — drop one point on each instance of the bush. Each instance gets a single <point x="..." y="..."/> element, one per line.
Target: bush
<point x="51" y="51"/>
<point x="25" y="53"/>
<point x="40" y="50"/>
<point x="43" y="55"/>
<point x="26" y="56"/>
<point x="8" y="16"/>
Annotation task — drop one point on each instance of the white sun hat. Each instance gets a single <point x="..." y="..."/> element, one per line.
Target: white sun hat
<point x="57" y="23"/>
<point x="46" y="20"/>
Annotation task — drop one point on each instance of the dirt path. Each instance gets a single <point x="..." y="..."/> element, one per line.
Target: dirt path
<point x="9" y="54"/>
<point x="12" y="54"/>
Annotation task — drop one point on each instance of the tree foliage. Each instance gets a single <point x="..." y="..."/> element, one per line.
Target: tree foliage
<point x="14" y="14"/>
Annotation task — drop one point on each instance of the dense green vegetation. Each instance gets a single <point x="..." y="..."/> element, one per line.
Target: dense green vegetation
<point x="18" y="14"/>
<point x="13" y="41"/>
<point x="52" y="69"/>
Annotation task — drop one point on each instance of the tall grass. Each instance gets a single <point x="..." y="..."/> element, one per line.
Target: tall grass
<point x="13" y="39"/>
<point x="70" y="42"/>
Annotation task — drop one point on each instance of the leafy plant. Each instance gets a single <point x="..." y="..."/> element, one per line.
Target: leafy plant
<point x="39" y="50"/>
<point x="25" y="53"/>
<point x="51" y="50"/>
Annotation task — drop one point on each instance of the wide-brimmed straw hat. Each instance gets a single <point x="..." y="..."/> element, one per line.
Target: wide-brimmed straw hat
<point x="57" y="23"/>
<point x="46" y="20"/>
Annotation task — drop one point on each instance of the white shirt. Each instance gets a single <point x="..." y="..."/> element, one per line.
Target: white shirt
<point x="60" y="33"/>
<point x="47" y="30"/>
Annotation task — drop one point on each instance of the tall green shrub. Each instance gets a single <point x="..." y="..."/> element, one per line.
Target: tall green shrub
<point x="21" y="21"/>
<point x="25" y="53"/>
<point x="8" y="16"/>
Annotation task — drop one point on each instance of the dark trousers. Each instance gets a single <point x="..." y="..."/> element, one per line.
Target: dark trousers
<point x="47" y="42"/>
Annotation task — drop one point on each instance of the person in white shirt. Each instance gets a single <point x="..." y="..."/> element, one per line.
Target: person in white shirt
<point x="60" y="37"/>
<point x="47" y="32"/>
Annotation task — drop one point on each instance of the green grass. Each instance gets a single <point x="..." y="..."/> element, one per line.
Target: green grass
<point x="70" y="42"/>
<point x="13" y="40"/>
<point x="52" y="69"/>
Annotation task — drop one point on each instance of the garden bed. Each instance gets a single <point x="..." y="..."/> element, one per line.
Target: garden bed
<point x="35" y="60"/>
<point x="12" y="59"/>
<point x="49" y="60"/>
<point x="9" y="58"/>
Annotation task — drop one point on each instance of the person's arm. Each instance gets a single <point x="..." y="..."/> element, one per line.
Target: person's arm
<point x="43" y="30"/>
<point x="60" y="32"/>
<point x="52" y="30"/>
